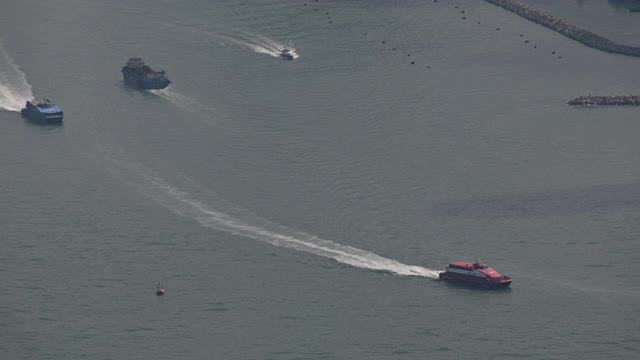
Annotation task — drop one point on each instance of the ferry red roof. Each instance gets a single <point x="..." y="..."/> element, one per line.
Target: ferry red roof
<point x="490" y="272"/>
<point x="462" y="263"/>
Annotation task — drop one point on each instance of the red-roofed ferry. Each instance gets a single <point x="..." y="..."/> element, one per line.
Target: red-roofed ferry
<point x="475" y="273"/>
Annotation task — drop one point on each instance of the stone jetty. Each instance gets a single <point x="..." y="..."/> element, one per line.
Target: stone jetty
<point x="606" y="100"/>
<point x="571" y="31"/>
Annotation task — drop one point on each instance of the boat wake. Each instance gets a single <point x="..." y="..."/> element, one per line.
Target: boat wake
<point x="15" y="91"/>
<point x="244" y="39"/>
<point x="243" y="223"/>
<point x="259" y="44"/>
<point x="203" y="113"/>
<point x="254" y="42"/>
<point x="181" y="101"/>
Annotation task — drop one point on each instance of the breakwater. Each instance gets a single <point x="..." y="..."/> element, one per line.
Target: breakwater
<point x="606" y="100"/>
<point x="571" y="31"/>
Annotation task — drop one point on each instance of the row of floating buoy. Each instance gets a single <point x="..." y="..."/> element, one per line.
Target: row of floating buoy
<point x="498" y="29"/>
<point x="395" y="48"/>
<point x="328" y="15"/>
<point x="526" y="41"/>
<point x="365" y="34"/>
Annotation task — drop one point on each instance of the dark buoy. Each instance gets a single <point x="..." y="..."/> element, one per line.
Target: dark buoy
<point x="526" y="41"/>
<point x="364" y="34"/>
<point x="428" y="67"/>
<point x="456" y="6"/>
<point x="464" y="18"/>
<point x="413" y="63"/>
<point x="394" y="49"/>
<point x="498" y="29"/>
<point x="462" y="12"/>
<point x="535" y="47"/>
<point x="553" y="52"/>
<point x="478" y="22"/>
<point x="559" y="57"/>
<point x="521" y="35"/>
<point x="330" y="22"/>
<point x="384" y="42"/>
<point x="408" y="54"/>
<point x="159" y="289"/>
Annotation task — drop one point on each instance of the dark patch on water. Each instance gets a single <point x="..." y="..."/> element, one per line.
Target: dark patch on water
<point x="546" y="203"/>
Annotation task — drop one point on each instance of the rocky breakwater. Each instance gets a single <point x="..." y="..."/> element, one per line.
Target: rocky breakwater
<point x="571" y="31"/>
<point x="606" y="100"/>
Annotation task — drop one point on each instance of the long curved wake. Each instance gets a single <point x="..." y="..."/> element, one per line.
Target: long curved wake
<point x="15" y="91"/>
<point x="241" y="222"/>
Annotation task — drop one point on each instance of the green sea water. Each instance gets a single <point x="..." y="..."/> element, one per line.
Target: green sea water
<point x="302" y="209"/>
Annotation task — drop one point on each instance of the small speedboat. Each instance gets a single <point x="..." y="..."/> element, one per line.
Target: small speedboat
<point x="43" y="111"/>
<point x="476" y="273"/>
<point x="288" y="53"/>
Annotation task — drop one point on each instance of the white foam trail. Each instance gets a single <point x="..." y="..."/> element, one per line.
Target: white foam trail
<point x="184" y="204"/>
<point x="267" y="42"/>
<point x="15" y="91"/>
<point x="182" y="101"/>
<point x="205" y="114"/>
<point x="256" y="43"/>
<point x="262" y="44"/>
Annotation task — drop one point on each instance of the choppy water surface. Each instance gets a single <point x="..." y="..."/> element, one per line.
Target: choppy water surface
<point x="302" y="209"/>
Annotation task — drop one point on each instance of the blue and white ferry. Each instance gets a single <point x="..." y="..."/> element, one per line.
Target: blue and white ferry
<point x="42" y="111"/>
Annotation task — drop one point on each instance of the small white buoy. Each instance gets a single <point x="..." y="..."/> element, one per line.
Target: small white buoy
<point x="159" y="289"/>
